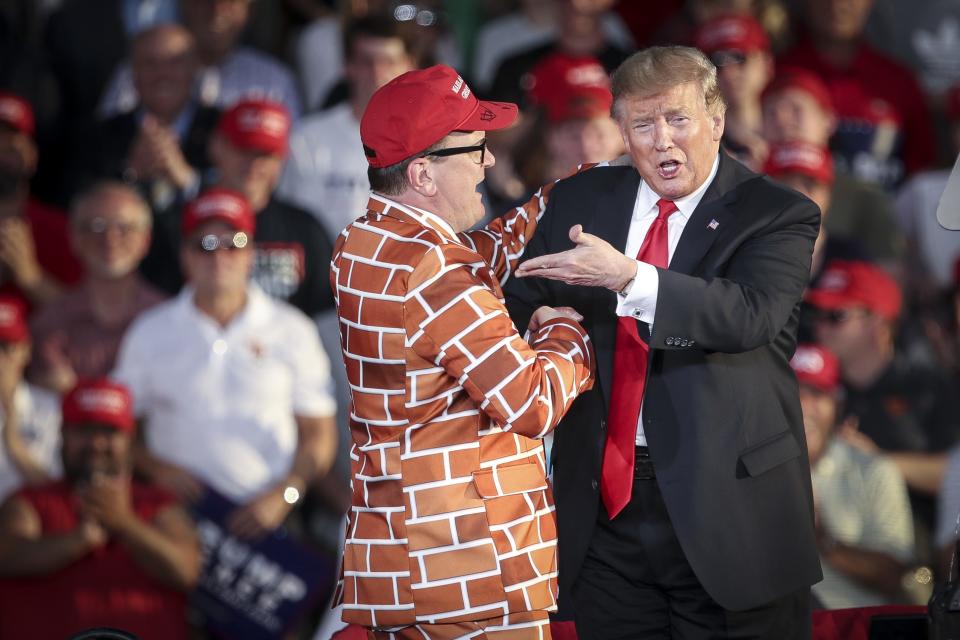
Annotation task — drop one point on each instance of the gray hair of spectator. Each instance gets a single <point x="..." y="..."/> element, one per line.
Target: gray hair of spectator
<point x="392" y="180"/>
<point x="106" y="187"/>
<point x="651" y="71"/>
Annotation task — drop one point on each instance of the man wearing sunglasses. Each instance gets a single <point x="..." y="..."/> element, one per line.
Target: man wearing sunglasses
<point x="904" y="409"/>
<point x="231" y="384"/>
<point x="451" y="530"/>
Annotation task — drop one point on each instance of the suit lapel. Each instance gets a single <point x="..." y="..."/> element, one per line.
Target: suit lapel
<point x="611" y="221"/>
<point x="708" y="220"/>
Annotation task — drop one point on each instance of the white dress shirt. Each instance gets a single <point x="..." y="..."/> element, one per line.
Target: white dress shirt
<point x="220" y="401"/>
<point x="640" y="301"/>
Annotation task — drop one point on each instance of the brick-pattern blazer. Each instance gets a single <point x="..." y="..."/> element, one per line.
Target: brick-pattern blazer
<point x="452" y="517"/>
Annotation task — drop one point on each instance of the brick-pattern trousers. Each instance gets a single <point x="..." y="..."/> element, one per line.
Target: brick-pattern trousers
<point x="531" y="625"/>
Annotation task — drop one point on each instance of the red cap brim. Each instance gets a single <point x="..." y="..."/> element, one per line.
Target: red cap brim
<point x="489" y="116"/>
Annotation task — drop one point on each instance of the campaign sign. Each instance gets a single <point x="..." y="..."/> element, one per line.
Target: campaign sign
<point x="254" y="590"/>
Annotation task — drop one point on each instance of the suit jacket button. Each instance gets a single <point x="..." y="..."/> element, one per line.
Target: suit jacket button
<point x="669" y="341"/>
<point x="684" y="343"/>
<point x="593" y="483"/>
<point x="603" y="424"/>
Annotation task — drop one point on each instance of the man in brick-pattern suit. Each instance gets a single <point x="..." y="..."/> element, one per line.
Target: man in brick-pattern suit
<point x="451" y="533"/>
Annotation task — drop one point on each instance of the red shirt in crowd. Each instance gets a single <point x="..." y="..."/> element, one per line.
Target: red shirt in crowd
<point x="52" y="242"/>
<point x="105" y="588"/>
<point x="883" y="130"/>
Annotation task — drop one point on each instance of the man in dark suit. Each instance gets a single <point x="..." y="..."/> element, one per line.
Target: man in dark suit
<point x="689" y="516"/>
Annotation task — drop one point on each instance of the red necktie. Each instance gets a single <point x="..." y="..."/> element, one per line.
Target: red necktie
<point x="629" y="379"/>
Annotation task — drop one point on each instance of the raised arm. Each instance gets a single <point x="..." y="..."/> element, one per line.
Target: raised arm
<point x="454" y="319"/>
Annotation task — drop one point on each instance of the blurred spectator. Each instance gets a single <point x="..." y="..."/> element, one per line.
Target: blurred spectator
<point x="534" y="24"/>
<point x="231" y="384"/>
<point x="864" y="524"/>
<point x="575" y="126"/>
<point x="292" y="250"/>
<point x="228" y="72"/>
<point x="30" y="416"/>
<point x="161" y="144"/>
<point x="902" y="408"/>
<point x="797" y="107"/>
<point x="740" y="49"/>
<point x="99" y="548"/>
<point x="34" y="271"/>
<point x="808" y="168"/>
<point x="77" y="337"/>
<point x="580" y="34"/>
<point x="326" y="172"/>
<point x="883" y="132"/>
<point x="932" y="252"/>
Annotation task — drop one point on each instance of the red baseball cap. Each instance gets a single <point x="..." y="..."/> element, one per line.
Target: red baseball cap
<point x="852" y="283"/>
<point x="418" y="108"/>
<point x="953" y="102"/>
<point x="219" y="204"/>
<point x="807" y="159"/>
<point x="13" y="320"/>
<point x="801" y="80"/>
<point x="16" y="113"/>
<point x="731" y="33"/>
<point x="257" y="125"/>
<point x="816" y="367"/>
<point x="571" y="87"/>
<point x="99" y="402"/>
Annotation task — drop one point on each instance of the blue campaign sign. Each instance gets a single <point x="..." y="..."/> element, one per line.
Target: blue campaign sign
<point x="254" y="590"/>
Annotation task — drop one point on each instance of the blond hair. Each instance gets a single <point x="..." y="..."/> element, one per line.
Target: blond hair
<point x="657" y="69"/>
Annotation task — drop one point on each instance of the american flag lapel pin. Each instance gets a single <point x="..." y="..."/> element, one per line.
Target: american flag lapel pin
<point x="713" y="225"/>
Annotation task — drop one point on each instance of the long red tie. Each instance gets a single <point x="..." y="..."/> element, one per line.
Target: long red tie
<point x="629" y="380"/>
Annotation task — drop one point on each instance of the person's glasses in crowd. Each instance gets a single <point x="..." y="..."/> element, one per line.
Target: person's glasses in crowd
<point x="211" y="242"/>
<point x="728" y="57"/>
<point x="453" y="151"/>
<point x="100" y="226"/>
<point x="838" y="316"/>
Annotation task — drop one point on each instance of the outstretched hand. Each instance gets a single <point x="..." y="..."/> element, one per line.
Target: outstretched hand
<point x="593" y="262"/>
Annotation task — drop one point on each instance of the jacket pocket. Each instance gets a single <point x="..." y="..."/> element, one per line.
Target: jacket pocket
<point x="520" y="516"/>
<point x="768" y="454"/>
<point x="509" y="480"/>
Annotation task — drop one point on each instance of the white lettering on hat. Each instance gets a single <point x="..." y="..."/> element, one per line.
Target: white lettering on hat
<point x="807" y="360"/>
<point x="457" y="84"/>
<point x="588" y="75"/>
<point x="724" y="31"/>
<point x="11" y="110"/>
<point x="108" y="400"/>
<point x="465" y="93"/>
<point x="799" y="156"/>
<point x="8" y="315"/>
<point x="269" y="122"/>
<point x="833" y="280"/>
<point x="218" y="204"/>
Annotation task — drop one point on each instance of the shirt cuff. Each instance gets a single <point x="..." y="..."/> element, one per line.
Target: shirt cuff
<point x="640" y="301"/>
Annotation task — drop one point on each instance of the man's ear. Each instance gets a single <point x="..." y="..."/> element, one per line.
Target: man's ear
<point x="420" y="176"/>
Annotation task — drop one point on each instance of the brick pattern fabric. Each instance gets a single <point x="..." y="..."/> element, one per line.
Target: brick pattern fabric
<point x="452" y="518"/>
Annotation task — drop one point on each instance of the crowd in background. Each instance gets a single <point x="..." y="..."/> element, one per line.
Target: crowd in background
<point x="173" y="174"/>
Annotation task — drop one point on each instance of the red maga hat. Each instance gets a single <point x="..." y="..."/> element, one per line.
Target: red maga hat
<point x="817" y="367"/>
<point x="223" y="205"/>
<point x="99" y="402"/>
<point x="16" y="113"/>
<point x="801" y="80"/>
<point x="854" y="283"/>
<point x="418" y="108"/>
<point x="571" y="87"/>
<point x="13" y="320"/>
<point x="804" y="158"/>
<point x="731" y="33"/>
<point x="257" y="125"/>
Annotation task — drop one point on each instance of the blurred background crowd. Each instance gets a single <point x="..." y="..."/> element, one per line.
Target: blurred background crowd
<point x="173" y="174"/>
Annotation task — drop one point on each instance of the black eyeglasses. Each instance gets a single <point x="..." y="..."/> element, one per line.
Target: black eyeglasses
<point x="453" y="151"/>
<point x="100" y="226"/>
<point x="728" y="57"/>
<point x="211" y="242"/>
<point x="837" y="316"/>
